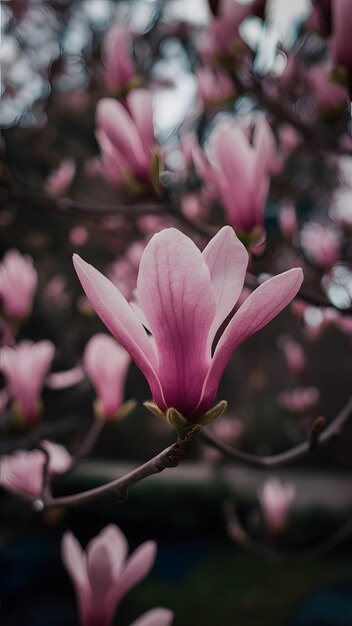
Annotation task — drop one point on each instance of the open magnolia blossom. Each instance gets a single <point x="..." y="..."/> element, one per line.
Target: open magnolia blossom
<point x="103" y="574"/>
<point x="106" y="364"/>
<point x="25" y="367"/>
<point x="184" y="297"/>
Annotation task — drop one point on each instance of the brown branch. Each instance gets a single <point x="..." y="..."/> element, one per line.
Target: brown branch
<point x="82" y="209"/>
<point x="170" y="457"/>
<point x="333" y="430"/>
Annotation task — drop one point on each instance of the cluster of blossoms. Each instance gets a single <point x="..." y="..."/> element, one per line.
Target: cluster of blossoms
<point x="192" y="265"/>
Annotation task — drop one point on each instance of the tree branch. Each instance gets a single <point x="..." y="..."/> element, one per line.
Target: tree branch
<point x="170" y="457"/>
<point x="333" y="430"/>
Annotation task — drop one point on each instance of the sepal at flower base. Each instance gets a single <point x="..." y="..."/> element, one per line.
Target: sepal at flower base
<point x="183" y="426"/>
<point x="153" y="408"/>
<point x="156" y="167"/>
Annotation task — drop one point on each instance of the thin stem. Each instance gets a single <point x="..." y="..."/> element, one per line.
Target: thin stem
<point x="240" y="535"/>
<point x="333" y="430"/>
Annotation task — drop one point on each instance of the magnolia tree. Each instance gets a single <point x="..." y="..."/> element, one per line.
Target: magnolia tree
<point x="197" y="160"/>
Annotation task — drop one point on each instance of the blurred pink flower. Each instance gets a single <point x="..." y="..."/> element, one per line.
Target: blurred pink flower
<point x="117" y="48"/>
<point x="321" y="244"/>
<point x="60" y="179"/>
<point x="18" y="283"/>
<point x="123" y="272"/>
<point x="293" y="353"/>
<point x="214" y="86"/>
<point x="275" y="499"/>
<point x="222" y="34"/>
<point x="328" y="94"/>
<point x="25" y="367"/>
<point x="299" y="400"/>
<point x="22" y="472"/>
<point x="320" y="17"/>
<point x="106" y="364"/>
<point x="79" y="235"/>
<point x="67" y="378"/>
<point x="287" y="221"/>
<point x="229" y="430"/>
<point x="126" y="138"/>
<point x="195" y="206"/>
<point x="239" y="170"/>
<point x="155" y="617"/>
<point x="341" y="50"/>
<point x="184" y="297"/>
<point x="103" y="574"/>
<point x="289" y="138"/>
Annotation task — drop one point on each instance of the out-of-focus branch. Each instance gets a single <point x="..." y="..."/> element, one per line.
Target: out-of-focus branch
<point x="332" y="431"/>
<point x="81" y="209"/>
<point x="241" y="536"/>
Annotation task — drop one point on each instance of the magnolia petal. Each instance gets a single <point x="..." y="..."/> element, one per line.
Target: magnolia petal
<point x="117" y="315"/>
<point x="136" y="569"/>
<point x="74" y="560"/>
<point x="258" y="310"/>
<point x="177" y="299"/>
<point x="120" y="129"/>
<point x="155" y="617"/>
<point x="227" y="260"/>
<point x="140" y="104"/>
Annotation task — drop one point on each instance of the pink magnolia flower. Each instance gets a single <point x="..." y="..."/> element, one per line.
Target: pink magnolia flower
<point x="287" y="221"/>
<point x="328" y="94"/>
<point x="123" y="272"/>
<point x="289" y="138"/>
<point x="320" y="17"/>
<point x="60" y="179"/>
<point x="104" y="574"/>
<point x="126" y="137"/>
<point x="321" y="244"/>
<point x="299" y="400"/>
<point x="22" y="472"/>
<point x="275" y="499"/>
<point x="106" y="364"/>
<point x="222" y="34"/>
<point x="341" y="50"/>
<point x="184" y="296"/>
<point x="18" y="283"/>
<point x="120" y="69"/>
<point x="67" y="378"/>
<point x="214" y="86"/>
<point x="25" y="367"/>
<point x="229" y="430"/>
<point x="293" y="353"/>
<point x="239" y="170"/>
